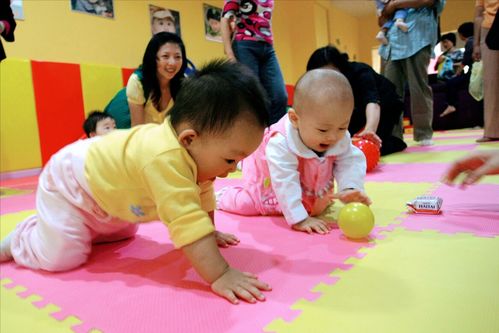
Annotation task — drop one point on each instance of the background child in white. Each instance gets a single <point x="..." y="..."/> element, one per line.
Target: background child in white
<point x="293" y="171"/>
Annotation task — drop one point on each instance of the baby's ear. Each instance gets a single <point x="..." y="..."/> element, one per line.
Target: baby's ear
<point x="187" y="137"/>
<point x="293" y="117"/>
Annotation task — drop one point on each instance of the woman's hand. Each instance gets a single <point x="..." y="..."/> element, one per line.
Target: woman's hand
<point x="369" y="135"/>
<point x="474" y="166"/>
<point x="477" y="55"/>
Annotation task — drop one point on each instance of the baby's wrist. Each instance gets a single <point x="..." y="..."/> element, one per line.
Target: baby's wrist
<point x="224" y="271"/>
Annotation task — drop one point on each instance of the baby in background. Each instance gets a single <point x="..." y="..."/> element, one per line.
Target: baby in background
<point x="99" y="189"/>
<point x="398" y="19"/>
<point x="98" y="123"/>
<point x="292" y="173"/>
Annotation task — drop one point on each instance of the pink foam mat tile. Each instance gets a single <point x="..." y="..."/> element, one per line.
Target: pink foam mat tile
<point x="145" y="285"/>
<point x="405" y="172"/>
<point x="17" y="203"/>
<point x="474" y="210"/>
<point x="24" y="183"/>
<point x="456" y="137"/>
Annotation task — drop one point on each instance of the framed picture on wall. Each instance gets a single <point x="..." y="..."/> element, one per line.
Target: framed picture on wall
<point x="17" y="9"/>
<point x="163" y="19"/>
<point x="211" y="17"/>
<point x="102" y="8"/>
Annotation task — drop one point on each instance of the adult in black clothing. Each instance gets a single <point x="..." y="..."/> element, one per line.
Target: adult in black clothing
<point x="377" y="106"/>
<point x="7" y="25"/>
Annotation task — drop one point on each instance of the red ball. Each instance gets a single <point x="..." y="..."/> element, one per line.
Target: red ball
<point x="370" y="150"/>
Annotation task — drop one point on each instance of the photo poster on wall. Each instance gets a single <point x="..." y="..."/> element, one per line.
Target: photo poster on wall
<point x="17" y="9"/>
<point x="163" y="19"/>
<point x="102" y="8"/>
<point x="212" y="27"/>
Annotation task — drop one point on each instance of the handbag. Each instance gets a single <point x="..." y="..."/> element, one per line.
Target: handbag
<point x="476" y="81"/>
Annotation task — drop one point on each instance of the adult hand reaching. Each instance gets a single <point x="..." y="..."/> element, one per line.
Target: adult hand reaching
<point x="475" y="166"/>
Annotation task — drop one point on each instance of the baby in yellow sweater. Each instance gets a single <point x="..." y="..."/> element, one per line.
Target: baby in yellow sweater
<point x="99" y="189"/>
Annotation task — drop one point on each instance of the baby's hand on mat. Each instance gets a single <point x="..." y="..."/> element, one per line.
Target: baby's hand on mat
<point x="347" y="196"/>
<point x="234" y="285"/>
<point x="225" y="240"/>
<point x="313" y="224"/>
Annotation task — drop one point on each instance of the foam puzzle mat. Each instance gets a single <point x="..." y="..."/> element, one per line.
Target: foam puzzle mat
<point x="415" y="273"/>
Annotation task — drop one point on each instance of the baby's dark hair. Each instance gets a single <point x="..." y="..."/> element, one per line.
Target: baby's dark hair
<point x="451" y="37"/>
<point x="90" y="124"/>
<point x="217" y="95"/>
<point x="328" y="55"/>
<point x="466" y="29"/>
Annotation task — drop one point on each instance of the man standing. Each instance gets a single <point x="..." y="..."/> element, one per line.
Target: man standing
<point x="407" y="57"/>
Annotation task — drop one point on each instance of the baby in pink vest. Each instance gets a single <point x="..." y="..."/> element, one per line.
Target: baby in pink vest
<point x="292" y="173"/>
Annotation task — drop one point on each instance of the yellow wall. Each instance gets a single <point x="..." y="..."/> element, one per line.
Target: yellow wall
<point x="51" y="31"/>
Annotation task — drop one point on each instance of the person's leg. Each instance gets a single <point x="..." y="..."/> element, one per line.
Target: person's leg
<point x="248" y="53"/>
<point x="490" y="60"/>
<point x="115" y="232"/>
<point x="273" y="82"/>
<point x="395" y="72"/>
<point x="421" y="94"/>
<point x="236" y="200"/>
<point x="390" y="114"/>
<point x="452" y="87"/>
<point x="56" y="238"/>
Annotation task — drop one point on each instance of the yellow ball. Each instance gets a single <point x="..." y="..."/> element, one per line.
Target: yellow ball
<point x="356" y="220"/>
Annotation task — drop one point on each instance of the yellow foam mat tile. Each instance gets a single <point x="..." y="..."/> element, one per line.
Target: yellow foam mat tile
<point x="21" y="315"/>
<point x="447" y="141"/>
<point x="424" y="157"/>
<point x="410" y="282"/>
<point x="389" y="200"/>
<point x="8" y="222"/>
<point x="453" y="133"/>
<point x="7" y="192"/>
<point x="488" y="146"/>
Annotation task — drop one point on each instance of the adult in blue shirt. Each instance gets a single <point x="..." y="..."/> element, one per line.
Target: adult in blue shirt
<point x="407" y="57"/>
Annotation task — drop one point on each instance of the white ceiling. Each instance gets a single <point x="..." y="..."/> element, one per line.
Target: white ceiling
<point x="356" y="8"/>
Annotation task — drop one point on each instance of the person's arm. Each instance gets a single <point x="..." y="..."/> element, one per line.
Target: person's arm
<point x="393" y="5"/>
<point x="227" y="37"/>
<point x="169" y="179"/>
<point x="475" y="166"/>
<point x="7" y="22"/>
<point x="477" y="32"/>
<point x="350" y="172"/>
<point x="137" y="114"/>
<point x="136" y="100"/>
<point x="372" y="121"/>
<point x="285" y="180"/>
<point x="225" y="281"/>
<point x="366" y="91"/>
<point x="223" y="239"/>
